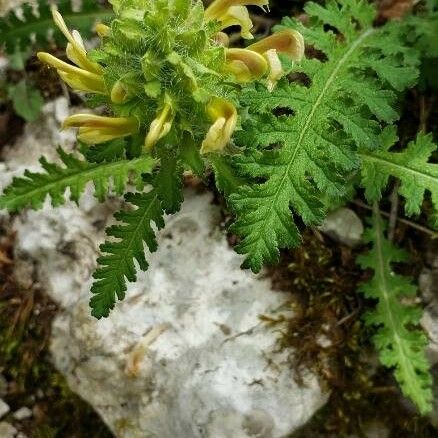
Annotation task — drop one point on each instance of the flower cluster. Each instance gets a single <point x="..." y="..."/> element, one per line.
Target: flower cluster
<point x="165" y="68"/>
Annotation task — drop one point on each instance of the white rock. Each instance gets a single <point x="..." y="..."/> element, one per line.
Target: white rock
<point x="39" y="138"/>
<point x="4" y="408"/>
<point x="187" y="343"/>
<point x="185" y="355"/>
<point x="343" y="225"/>
<point x="22" y="413"/>
<point x="7" y="430"/>
<point x="429" y="291"/>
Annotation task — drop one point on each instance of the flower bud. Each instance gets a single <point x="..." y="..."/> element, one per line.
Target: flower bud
<point x="224" y="115"/>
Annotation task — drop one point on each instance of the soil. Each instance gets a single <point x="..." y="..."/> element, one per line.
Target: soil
<point x="31" y="380"/>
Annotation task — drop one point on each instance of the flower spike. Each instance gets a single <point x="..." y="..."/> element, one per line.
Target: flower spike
<point x="160" y="127"/>
<point x="245" y="65"/>
<point x="99" y="129"/>
<point x="224" y="115"/>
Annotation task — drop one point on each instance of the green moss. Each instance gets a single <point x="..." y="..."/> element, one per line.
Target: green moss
<point x="327" y="336"/>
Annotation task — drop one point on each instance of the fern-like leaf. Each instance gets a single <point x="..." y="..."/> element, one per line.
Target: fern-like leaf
<point x="168" y="181"/>
<point x="117" y="264"/>
<point x="33" y="188"/>
<point x="411" y="166"/>
<point x="400" y="346"/>
<point x="17" y="34"/>
<point x="294" y="159"/>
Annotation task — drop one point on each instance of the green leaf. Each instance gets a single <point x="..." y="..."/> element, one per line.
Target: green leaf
<point x="401" y="346"/>
<point x="190" y="156"/>
<point x="32" y="189"/>
<point x="116" y="265"/>
<point x="168" y="181"/>
<point x="17" y="59"/>
<point x="411" y="166"/>
<point x="301" y="142"/>
<point x="27" y="101"/>
<point x="106" y="152"/>
<point x="19" y="34"/>
<point x="226" y="176"/>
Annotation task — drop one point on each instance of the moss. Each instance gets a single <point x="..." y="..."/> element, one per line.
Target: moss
<point x="325" y="334"/>
<point x="32" y="381"/>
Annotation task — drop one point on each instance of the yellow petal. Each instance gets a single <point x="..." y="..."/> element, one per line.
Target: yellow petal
<point x="159" y="128"/>
<point x="224" y="115"/>
<point x="276" y="71"/>
<point x="238" y="16"/>
<point x="220" y="7"/>
<point x="76" y="77"/>
<point x="289" y="42"/>
<point x="84" y="84"/>
<point x="245" y="65"/>
<point x="77" y="45"/>
<point x="95" y="129"/>
<point x="128" y="124"/>
<point x="96" y="136"/>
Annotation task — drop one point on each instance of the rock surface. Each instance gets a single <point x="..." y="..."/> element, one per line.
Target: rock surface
<point x="344" y="226"/>
<point x="22" y="413"/>
<point x="7" y="430"/>
<point x="185" y="355"/>
<point x="4" y="408"/>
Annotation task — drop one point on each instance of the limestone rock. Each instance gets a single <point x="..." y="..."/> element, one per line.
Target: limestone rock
<point x="22" y="413"/>
<point x="4" y="408"/>
<point x="185" y="355"/>
<point x="7" y="430"/>
<point x="343" y="225"/>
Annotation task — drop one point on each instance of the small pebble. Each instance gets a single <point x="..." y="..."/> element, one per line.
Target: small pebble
<point x="7" y="430"/>
<point x="22" y="413"/>
<point x="344" y="226"/>
<point x="4" y="409"/>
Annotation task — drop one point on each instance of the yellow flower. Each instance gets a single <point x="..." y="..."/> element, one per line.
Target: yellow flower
<point x="233" y="12"/>
<point x="256" y="60"/>
<point x="86" y="75"/>
<point x="288" y="42"/>
<point x="219" y="8"/>
<point x="245" y="65"/>
<point x="99" y="129"/>
<point x="238" y="16"/>
<point x="224" y="115"/>
<point x="76" y="77"/>
<point x="160" y="127"/>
